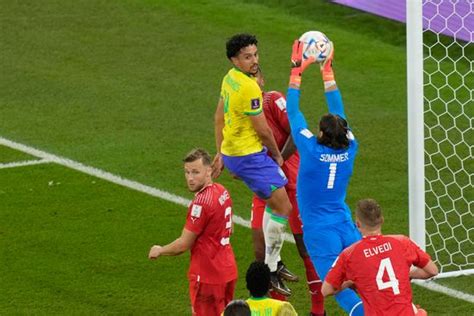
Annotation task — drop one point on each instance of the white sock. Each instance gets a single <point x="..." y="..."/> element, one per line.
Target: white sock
<point x="274" y="240"/>
<point x="266" y="217"/>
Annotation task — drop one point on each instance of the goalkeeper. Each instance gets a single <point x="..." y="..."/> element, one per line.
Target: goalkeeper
<point x="326" y="164"/>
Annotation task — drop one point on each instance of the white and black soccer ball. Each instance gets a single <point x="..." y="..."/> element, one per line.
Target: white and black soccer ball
<point x="316" y="44"/>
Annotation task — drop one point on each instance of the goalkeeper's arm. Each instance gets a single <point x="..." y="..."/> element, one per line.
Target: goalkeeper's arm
<point x="295" y="117"/>
<point x="331" y="92"/>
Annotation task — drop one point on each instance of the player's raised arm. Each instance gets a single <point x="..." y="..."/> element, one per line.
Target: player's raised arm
<point x="332" y="93"/>
<point x="296" y="118"/>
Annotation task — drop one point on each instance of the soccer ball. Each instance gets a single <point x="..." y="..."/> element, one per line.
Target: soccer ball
<point x="316" y="44"/>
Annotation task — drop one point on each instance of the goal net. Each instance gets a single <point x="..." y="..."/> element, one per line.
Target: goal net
<point x="445" y="109"/>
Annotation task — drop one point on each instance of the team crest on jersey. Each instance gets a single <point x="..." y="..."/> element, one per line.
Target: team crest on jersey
<point x="281" y="103"/>
<point x="196" y="211"/>
<point x="255" y="104"/>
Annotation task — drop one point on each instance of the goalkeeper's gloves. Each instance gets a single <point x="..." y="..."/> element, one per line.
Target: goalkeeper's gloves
<point x="326" y="68"/>
<point x="298" y="65"/>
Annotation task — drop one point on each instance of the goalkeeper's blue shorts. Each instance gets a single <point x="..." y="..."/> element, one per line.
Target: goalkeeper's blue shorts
<point x="325" y="243"/>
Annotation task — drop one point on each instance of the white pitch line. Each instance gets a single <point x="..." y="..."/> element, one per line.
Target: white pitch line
<point x="23" y="163"/>
<point x="176" y="199"/>
<point x="431" y="285"/>
<point x="115" y="179"/>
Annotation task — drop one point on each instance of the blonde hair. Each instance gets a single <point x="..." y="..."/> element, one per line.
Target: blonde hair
<point x="369" y="213"/>
<point x="196" y="154"/>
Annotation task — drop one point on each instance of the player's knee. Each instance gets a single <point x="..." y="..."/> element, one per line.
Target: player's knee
<point x="280" y="206"/>
<point x="288" y="208"/>
<point x="285" y="207"/>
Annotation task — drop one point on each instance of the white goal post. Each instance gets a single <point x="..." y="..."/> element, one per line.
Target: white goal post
<point x="440" y="90"/>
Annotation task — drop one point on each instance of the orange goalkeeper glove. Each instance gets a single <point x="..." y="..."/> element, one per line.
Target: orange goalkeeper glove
<point x="326" y="67"/>
<point x="298" y="65"/>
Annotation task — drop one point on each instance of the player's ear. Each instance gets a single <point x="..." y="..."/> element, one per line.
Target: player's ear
<point x="235" y="61"/>
<point x="208" y="171"/>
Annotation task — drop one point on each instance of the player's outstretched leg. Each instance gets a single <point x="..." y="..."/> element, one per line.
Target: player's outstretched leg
<point x="259" y="246"/>
<point x="273" y="233"/>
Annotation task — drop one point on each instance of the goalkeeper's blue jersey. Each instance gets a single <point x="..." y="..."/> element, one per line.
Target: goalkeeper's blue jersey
<point x="324" y="173"/>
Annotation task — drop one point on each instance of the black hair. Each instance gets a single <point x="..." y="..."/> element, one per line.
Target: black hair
<point x="334" y="130"/>
<point x="258" y="279"/>
<point x="237" y="42"/>
<point x="237" y="308"/>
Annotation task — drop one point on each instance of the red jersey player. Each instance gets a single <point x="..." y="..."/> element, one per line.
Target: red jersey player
<point x="274" y="108"/>
<point x="379" y="266"/>
<point x="213" y="270"/>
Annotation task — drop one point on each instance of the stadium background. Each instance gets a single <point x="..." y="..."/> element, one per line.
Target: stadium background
<point x="129" y="87"/>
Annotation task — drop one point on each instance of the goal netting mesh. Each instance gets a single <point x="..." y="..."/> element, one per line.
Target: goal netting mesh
<point x="449" y="132"/>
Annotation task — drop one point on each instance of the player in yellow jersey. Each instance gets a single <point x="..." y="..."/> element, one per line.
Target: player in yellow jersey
<point x="243" y="138"/>
<point x="258" y="284"/>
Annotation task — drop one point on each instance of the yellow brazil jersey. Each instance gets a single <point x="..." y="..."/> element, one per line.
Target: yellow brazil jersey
<point x="242" y="97"/>
<point x="265" y="306"/>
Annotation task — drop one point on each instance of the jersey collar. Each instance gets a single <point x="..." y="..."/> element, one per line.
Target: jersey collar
<point x="238" y="70"/>
<point x="203" y="189"/>
<point x="371" y="237"/>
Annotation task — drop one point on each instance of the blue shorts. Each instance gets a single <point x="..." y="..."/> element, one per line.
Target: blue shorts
<point x="259" y="172"/>
<point x="326" y="242"/>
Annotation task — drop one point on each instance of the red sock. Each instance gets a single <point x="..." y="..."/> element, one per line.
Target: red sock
<point x="277" y="296"/>
<point x="314" y="285"/>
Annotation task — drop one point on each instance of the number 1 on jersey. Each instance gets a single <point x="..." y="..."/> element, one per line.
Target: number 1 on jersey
<point x="332" y="175"/>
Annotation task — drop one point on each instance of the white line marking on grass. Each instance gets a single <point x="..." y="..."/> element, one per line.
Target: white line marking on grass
<point x="431" y="285"/>
<point x="174" y="198"/>
<point x="23" y="163"/>
<point x="96" y="172"/>
<point x="114" y="178"/>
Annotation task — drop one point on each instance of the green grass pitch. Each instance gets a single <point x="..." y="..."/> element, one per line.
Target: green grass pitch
<point x="130" y="86"/>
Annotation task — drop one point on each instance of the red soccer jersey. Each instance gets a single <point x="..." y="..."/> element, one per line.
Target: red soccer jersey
<point x="379" y="266"/>
<point x="210" y="218"/>
<point x="274" y="108"/>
